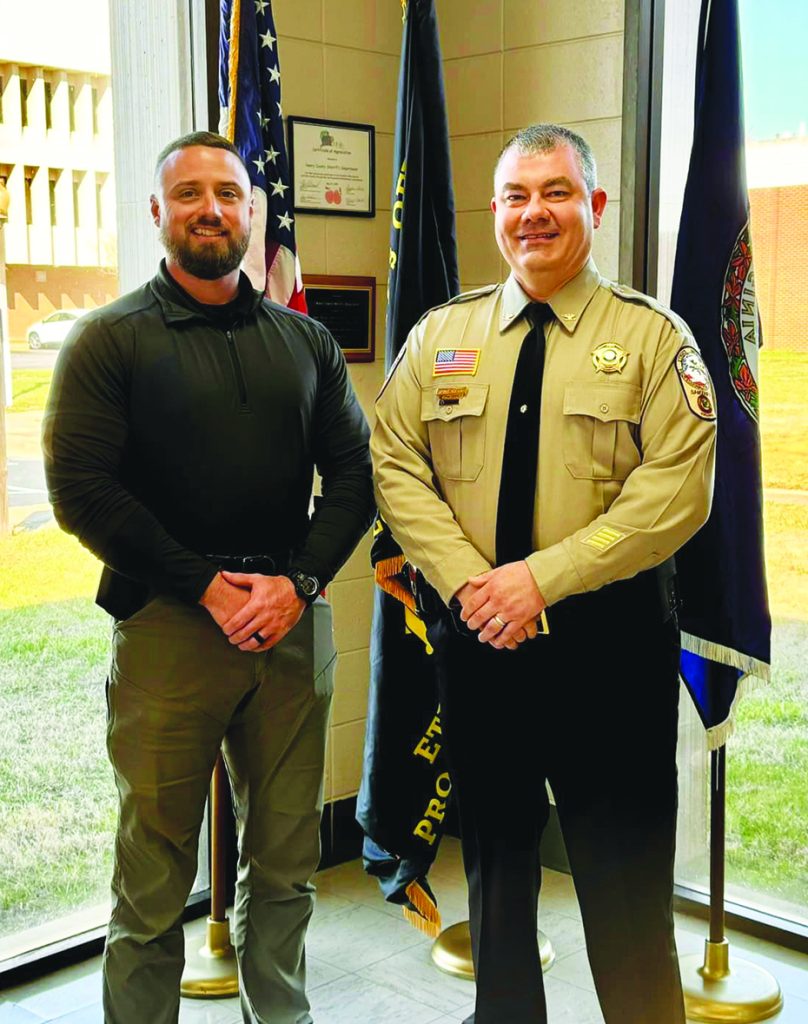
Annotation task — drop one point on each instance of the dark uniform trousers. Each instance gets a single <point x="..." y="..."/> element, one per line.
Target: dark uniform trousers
<point x="177" y="692"/>
<point x="593" y="709"/>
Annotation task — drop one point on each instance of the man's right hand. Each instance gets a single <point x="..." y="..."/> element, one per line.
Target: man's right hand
<point x="223" y="600"/>
<point x="513" y="637"/>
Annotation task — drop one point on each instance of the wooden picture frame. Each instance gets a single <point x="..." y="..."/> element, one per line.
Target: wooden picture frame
<point x="347" y="307"/>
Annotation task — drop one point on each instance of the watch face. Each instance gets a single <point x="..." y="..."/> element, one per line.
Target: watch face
<point x="307" y="584"/>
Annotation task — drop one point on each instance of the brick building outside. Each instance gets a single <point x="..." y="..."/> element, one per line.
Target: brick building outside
<point x="778" y="195"/>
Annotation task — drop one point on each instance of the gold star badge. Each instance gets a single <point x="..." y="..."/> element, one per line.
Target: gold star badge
<point x="609" y="358"/>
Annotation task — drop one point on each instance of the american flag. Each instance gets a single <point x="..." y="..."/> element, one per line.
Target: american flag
<point x="456" y="360"/>
<point x="255" y="126"/>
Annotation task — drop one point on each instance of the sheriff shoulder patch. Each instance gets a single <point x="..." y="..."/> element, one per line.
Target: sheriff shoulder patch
<point x="456" y="360"/>
<point x="695" y="380"/>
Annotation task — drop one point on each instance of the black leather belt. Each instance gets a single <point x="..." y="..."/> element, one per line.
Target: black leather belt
<point x="265" y="565"/>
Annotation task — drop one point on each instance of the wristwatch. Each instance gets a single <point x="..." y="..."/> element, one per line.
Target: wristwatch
<point x="307" y="587"/>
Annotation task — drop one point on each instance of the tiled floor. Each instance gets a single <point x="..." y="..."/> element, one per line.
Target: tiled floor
<point x="367" y="966"/>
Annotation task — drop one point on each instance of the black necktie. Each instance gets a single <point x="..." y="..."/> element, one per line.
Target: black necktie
<point x="517" y="489"/>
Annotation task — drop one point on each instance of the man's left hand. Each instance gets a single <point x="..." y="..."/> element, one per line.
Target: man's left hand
<point x="273" y="609"/>
<point x="508" y="593"/>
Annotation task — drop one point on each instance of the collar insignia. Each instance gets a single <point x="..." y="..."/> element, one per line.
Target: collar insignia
<point x="609" y="358"/>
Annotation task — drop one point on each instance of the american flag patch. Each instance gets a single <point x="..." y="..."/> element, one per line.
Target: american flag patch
<point x="456" y="360"/>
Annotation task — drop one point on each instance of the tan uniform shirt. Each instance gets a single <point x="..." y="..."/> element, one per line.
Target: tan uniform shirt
<point x="626" y="448"/>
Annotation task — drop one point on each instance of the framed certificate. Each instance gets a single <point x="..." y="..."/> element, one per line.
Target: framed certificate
<point x="332" y="167"/>
<point x="347" y="307"/>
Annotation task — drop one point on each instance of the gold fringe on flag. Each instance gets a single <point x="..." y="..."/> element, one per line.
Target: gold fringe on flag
<point x="386" y="571"/>
<point x="427" y="919"/>
<point x="232" y="74"/>
<point x="755" y="673"/>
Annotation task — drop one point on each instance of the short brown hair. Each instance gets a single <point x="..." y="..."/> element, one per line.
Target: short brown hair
<point x="209" y="139"/>
<point x="544" y="138"/>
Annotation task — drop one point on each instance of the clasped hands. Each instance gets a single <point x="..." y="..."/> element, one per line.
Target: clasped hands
<point x="506" y="595"/>
<point x="254" y="611"/>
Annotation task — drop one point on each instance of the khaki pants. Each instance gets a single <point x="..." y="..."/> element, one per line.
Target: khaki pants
<point x="177" y="692"/>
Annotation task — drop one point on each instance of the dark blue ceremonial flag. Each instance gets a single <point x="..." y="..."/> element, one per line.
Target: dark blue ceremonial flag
<point x="726" y="628"/>
<point x="402" y="799"/>
<point x="423" y="249"/>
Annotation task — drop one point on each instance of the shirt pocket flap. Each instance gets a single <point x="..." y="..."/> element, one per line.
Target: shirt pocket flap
<point x="448" y="401"/>
<point x="618" y="400"/>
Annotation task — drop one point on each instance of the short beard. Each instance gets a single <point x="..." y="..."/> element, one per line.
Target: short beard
<point x="208" y="264"/>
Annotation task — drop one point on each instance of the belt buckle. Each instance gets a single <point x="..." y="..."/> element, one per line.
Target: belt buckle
<point x="261" y="564"/>
<point x="543" y="624"/>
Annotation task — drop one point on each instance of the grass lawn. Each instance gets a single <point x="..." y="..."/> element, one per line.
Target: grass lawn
<point x="29" y="390"/>
<point x="784" y="419"/>
<point x="57" y="798"/>
<point x="767" y="768"/>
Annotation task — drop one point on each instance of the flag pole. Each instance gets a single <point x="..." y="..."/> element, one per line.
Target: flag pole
<point x="211" y="971"/>
<point x="714" y="990"/>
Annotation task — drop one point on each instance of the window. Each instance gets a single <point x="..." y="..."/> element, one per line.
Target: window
<point x="29" y="204"/>
<point x="99" y="201"/>
<point x="96" y="101"/>
<point x="767" y="759"/>
<point x="48" y="104"/>
<point x="2" y="93"/>
<point x="71" y="106"/>
<point x="77" y="179"/>
<point x="57" y="807"/>
<point x="24" y="90"/>
<point x="52" y="198"/>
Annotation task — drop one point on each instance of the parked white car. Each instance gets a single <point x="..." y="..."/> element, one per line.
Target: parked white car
<point x="53" y="329"/>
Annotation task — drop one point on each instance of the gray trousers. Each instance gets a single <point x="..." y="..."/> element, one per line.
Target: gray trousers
<point x="177" y="692"/>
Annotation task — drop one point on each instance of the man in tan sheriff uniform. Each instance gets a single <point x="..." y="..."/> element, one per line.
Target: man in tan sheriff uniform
<point x="621" y="422"/>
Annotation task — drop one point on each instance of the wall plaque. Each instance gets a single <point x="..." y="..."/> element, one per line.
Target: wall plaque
<point x="347" y="307"/>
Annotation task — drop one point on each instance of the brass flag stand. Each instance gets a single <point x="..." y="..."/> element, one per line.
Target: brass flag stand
<point x="451" y="951"/>
<point x="211" y="971"/>
<point x="715" y="990"/>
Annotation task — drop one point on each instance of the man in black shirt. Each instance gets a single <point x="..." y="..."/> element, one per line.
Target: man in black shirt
<point x="183" y="429"/>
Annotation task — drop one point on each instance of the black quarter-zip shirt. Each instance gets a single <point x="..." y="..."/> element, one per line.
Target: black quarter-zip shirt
<point x="175" y="429"/>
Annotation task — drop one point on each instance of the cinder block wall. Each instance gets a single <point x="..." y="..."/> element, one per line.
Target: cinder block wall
<point x="507" y="63"/>
<point x="340" y="60"/>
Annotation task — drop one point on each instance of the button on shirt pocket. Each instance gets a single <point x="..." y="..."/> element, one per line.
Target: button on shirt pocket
<point x="598" y="437"/>
<point x="456" y="429"/>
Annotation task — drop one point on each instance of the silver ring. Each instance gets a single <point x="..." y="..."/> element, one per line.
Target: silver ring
<point x="257" y="636"/>
<point x="496" y="618"/>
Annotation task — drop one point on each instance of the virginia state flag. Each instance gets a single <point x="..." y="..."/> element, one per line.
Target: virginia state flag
<point x="405" y="785"/>
<point x="726" y="628"/>
<point x="252" y="119"/>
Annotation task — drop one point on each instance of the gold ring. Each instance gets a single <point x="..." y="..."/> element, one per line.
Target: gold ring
<point x="496" y="618"/>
